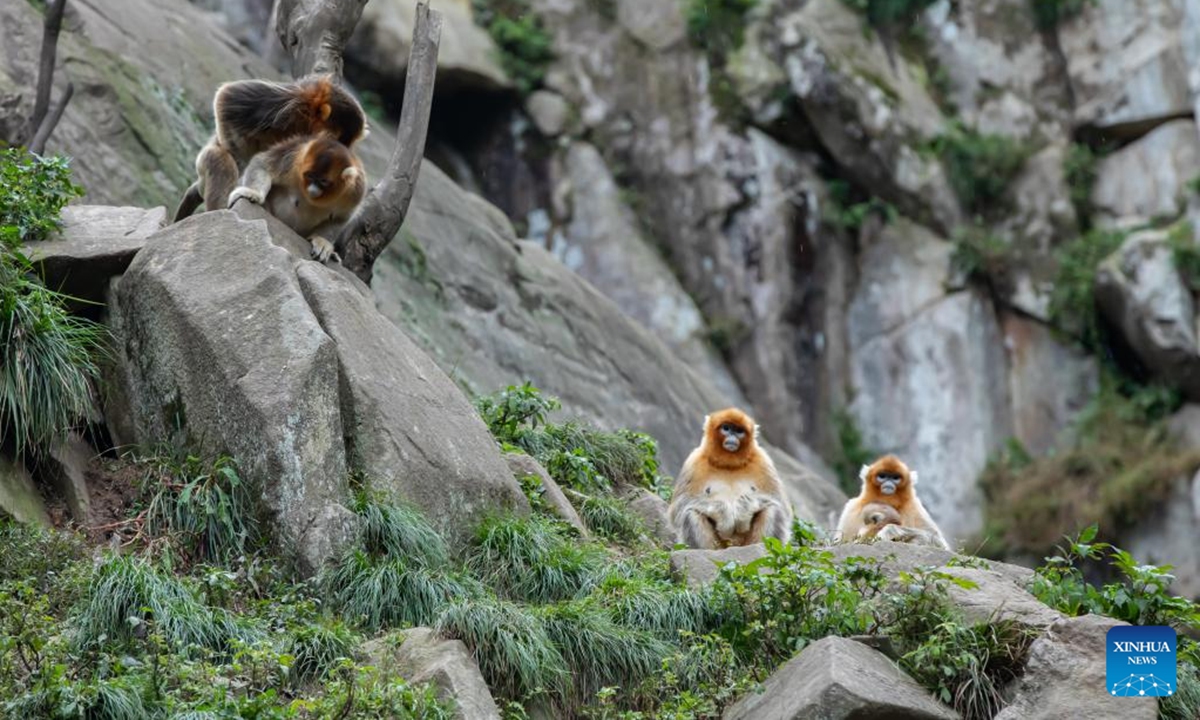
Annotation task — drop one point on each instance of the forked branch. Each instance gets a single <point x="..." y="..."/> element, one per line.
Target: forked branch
<point x="382" y="212"/>
<point x="43" y="121"/>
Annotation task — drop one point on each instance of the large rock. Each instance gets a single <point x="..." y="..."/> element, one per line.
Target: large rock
<point x="235" y="362"/>
<point x="19" y="498"/>
<point x="1065" y="677"/>
<point x="419" y="656"/>
<point x="866" y="104"/>
<point x="603" y="244"/>
<point x="1148" y="178"/>
<point x="1050" y="382"/>
<point x="839" y="679"/>
<point x="523" y="466"/>
<point x="377" y="54"/>
<point x="1128" y="64"/>
<point x="929" y="373"/>
<point x="1142" y="294"/>
<point x="493" y="311"/>
<point x="653" y="511"/>
<point x="96" y="243"/>
<point x="408" y="428"/>
<point x="701" y="567"/>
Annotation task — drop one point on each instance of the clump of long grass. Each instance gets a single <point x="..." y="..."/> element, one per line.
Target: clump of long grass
<point x="48" y="359"/>
<point x="659" y="607"/>
<point x="316" y="649"/>
<point x="380" y="592"/>
<point x="517" y="657"/>
<point x="532" y="559"/>
<point x="598" y="652"/>
<point x="399" y="531"/>
<point x="127" y="592"/>
<point x="203" y="506"/>
<point x="610" y="518"/>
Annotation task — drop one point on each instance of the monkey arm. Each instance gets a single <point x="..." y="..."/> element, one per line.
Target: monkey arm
<point x="916" y="536"/>
<point x="256" y="182"/>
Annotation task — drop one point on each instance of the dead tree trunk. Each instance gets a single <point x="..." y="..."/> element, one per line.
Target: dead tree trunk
<point x="314" y="34"/>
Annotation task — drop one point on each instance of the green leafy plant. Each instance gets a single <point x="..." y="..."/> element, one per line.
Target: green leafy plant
<point x="316" y="649"/>
<point x="852" y="452"/>
<point x="979" y="166"/>
<point x="1079" y="170"/>
<point x="610" y="518"/>
<point x="202" y="506"/>
<point x="890" y="13"/>
<point x="514" y="411"/>
<point x="533" y="559"/>
<point x="526" y="49"/>
<point x="1185" y="249"/>
<point x="33" y="192"/>
<point x="847" y="210"/>
<point x="1072" y="300"/>
<point x="982" y="255"/>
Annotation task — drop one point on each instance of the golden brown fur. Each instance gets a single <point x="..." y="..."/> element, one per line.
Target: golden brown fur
<point x="311" y="183"/>
<point x="728" y="492"/>
<point x="252" y="116"/>
<point x="915" y="525"/>
<point x="876" y="516"/>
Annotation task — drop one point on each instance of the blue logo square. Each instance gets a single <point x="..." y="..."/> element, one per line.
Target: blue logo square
<point x="1141" y="661"/>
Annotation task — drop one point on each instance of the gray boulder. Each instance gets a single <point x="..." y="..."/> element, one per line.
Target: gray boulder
<point x="1140" y="291"/>
<point x="1148" y="178"/>
<point x="701" y="567"/>
<point x="420" y="656"/>
<point x="652" y="510"/>
<point x="1065" y="677"/>
<point x="524" y="465"/>
<point x="19" y="498"/>
<point x="839" y="679"/>
<point x="96" y="243"/>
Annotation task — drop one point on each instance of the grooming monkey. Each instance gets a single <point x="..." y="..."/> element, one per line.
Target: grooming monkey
<point x="254" y="115"/>
<point x="311" y="183"/>
<point x="889" y="482"/>
<point x="728" y="492"/>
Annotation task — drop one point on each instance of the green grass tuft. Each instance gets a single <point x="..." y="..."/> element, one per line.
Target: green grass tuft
<point x="611" y="519"/>
<point x="400" y="531"/>
<point x="533" y="559"/>
<point x="659" y="607"/>
<point x="979" y="166"/>
<point x="316" y="649"/>
<point x="1073" y="299"/>
<point x="515" y="654"/>
<point x="381" y="592"/>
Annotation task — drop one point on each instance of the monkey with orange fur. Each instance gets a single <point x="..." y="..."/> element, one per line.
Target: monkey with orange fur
<point x="311" y="183"/>
<point x="889" y="482"/>
<point x="728" y="492"/>
<point x="251" y="116"/>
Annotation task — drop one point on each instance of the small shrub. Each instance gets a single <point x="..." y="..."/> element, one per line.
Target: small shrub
<point x="1079" y="169"/>
<point x="202" y="506"/>
<point x="514" y="652"/>
<point x="380" y="592"/>
<point x="980" y="255"/>
<point x="316" y="649"/>
<point x="1049" y="13"/>
<point x="533" y="559"/>
<point x="1185" y="250"/>
<point x="513" y="411"/>
<point x="979" y="166"/>
<point x="1073" y="300"/>
<point x="717" y="25"/>
<point x="526" y="49"/>
<point x="847" y="210"/>
<point x="33" y="192"/>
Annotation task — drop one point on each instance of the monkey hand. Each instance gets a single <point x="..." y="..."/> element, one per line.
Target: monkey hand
<point x="748" y="505"/>
<point x="245" y="193"/>
<point x="897" y="533"/>
<point x="322" y="249"/>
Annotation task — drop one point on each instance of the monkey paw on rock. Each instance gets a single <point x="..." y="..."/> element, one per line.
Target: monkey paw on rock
<point x="245" y="193"/>
<point x="322" y="249"/>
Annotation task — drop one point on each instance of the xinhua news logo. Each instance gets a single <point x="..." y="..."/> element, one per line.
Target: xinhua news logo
<point x="1141" y="661"/>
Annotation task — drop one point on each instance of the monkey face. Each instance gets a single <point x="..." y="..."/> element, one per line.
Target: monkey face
<point x="889" y="482"/>
<point x="732" y="436"/>
<point x="328" y="168"/>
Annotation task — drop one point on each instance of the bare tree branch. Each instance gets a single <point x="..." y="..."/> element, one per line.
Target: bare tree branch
<point x="382" y="212"/>
<point x="315" y="32"/>
<point x="38" y="144"/>
<point x="41" y="105"/>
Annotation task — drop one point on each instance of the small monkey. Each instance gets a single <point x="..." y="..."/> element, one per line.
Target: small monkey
<point x="312" y="184"/>
<point x="728" y="492"/>
<point x="254" y="115"/>
<point x="889" y="482"/>
<point x="876" y="516"/>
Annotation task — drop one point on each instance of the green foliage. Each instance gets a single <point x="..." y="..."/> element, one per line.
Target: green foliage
<point x="890" y="13"/>
<point x="401" y="531"/>
<point x="1122" y="463"/>
<point x="660" y="607"/>
<point x="717" y="25"/>
<point x="1079" y="169"/>
<point x="317" y="648"/>
<point x="33" y="192"/>
<point x="36" y="555"/>
<point x="576" y="456"/>
<point x="534" y="559"/>
<point x="127" y="593"/>
<point x="1140" y="595"/>
<point x="611" y="519"/>
<point x="526" y="49"/>
<point x="852" y="452"/>
<point x="201" y="506"/>
<point x="515" y="654"/>
<point x="981" y="255"/>
<point x="848" y="210"/>
<point x="797" y="594"/>
<point x="1072" y="301"/>
<point x="979" y="166"/>
<point x="48" y="359"/>
<point x="1185" y="249"/>
<point x="1049" y="13"/>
